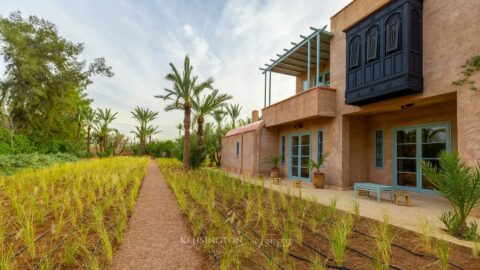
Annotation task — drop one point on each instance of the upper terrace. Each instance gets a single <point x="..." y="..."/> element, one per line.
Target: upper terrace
<point x="309" y="61"/>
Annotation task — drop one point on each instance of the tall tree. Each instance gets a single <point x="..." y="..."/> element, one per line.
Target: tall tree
<point x="143" y="116"/>
<point x="104" y="119"/>
<point x="152" y="130"/>
<point x="233" y="111"/>
<point x="205" y="105"/>
<point x="44" y="81"/>
<point x="184" y="89"/>
<point x="179" y="127"/>
<point x="89" y="120"/>
<point x="218" y="116"/>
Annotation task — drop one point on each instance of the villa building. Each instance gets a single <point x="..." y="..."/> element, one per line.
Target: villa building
<point x="374" y="94"/>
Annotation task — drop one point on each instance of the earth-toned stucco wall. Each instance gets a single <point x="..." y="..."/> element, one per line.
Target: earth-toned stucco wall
<point x="438" y="113"/>
<point x="243" y="163"/>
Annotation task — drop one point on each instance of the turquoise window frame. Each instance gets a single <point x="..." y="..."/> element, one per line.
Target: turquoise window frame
<point x="322" y="76"/>
<point x="283" y="149"/>
<point x="318" y="143"/>
<point x="309" y="133"/>
<point x="375" y="149"/>
<point x="448" y="127"/>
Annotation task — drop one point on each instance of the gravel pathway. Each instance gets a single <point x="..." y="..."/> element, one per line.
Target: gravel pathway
<point x="153" y="239"/>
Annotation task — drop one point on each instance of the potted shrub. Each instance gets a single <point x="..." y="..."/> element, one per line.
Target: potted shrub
<point x="318" y="178"/>
<point x="275" y="171"/>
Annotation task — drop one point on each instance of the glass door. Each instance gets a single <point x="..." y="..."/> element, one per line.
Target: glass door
<point x="434" y="141"/>
<point x="414" y="145"/>
<point x="300" y="156"/>
<point x="407" y="158"/>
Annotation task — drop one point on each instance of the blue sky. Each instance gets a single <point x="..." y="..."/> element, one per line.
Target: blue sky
<point x="228" y="40"/>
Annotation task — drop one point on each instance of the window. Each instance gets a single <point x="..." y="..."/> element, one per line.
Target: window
<point x="326" y="78"/>
<point x="392" y="33"/>
<point x="319" y="80"/>
<point x="372" y="43"/>
<point x="415" y="30"/>
<point x="323" y="79"/>
<point x="354" y="52"/>
<point x="282" y="149"/>
<point x="237" y="152"/>
<point x="379" y="149"/>
<point x="320" y="149"/>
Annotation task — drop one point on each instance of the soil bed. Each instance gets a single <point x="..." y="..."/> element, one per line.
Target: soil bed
<point x="279" y="231"/>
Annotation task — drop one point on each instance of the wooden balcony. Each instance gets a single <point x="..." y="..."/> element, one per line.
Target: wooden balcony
<point x="316" y="102"/>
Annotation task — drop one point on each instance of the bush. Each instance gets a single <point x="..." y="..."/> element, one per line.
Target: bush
<point x="197" y="156"/>
<point x="460" y="185"/>
<point x="53" y="146"/>
<point x="10" y="164"/>
<point x="166" y="148"/>
<point x="15" y="144"/>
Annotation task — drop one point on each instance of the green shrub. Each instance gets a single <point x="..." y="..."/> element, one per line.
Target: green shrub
<point x="15" y="143"/>
<point x="158" y="148"/>
<point x="10" y="164"/>
<point x="460" y="185"/>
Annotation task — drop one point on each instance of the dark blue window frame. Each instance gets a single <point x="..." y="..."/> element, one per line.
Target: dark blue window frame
<point x="354" y="52"/>
<point x="379" y="145"/>
<point x="372" y="43"/>
<point x="398" y="69"/>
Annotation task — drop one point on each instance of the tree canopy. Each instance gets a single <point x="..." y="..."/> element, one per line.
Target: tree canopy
<point x="45" y="80"/>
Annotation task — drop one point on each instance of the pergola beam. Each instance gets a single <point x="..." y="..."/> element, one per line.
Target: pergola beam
<point x="293" y="67"/>
<point x="291" y="62"/>
<point x="287" y="71"/>
<point x="325" y="43"/>
<point x="308" y="64"/>
<point x="304" y="55"/>
<point x="270" y="88"/>
<point x="287" y="52"/>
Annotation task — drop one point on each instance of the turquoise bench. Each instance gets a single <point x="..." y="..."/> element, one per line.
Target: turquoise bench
<point x="371" y="187"/>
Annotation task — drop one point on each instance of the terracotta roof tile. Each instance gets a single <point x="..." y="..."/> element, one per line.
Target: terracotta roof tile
<point x="243" y="129"/>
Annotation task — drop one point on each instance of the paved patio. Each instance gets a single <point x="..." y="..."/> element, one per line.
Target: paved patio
<point x="423" y="206"/>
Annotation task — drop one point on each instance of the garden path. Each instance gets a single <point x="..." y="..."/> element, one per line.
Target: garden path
<point x="156" y="231"/>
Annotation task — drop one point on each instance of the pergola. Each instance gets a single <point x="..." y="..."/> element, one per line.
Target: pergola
<point x="312" y="50"/>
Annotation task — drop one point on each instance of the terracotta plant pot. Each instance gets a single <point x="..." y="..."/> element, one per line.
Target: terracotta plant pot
<point x="318" y="179"/>
<point x="275" y="173"/>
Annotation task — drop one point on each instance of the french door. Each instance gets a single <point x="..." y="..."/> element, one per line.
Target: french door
<point x="300" y="156"/>
<point x="412" y="145"/>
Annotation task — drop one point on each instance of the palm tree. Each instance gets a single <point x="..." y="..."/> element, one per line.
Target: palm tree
<point x="79" y="118"/>
<point x="218" y="116"/>
<point x="233" y="111"/>
<point x="143" y="116"/>
<point x="152" y="130"/>
<point x="185" y="88"/>
<point x="104" y="119"/>
<point x="245" y="122"/>
<point x="89" y="120"/>
<point x="204" y="106"/>
<point x="179" y="127"/>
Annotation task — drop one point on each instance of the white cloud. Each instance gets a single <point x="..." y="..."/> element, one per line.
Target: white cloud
<point x="188" y="30"/>
<point x="227" y="40"/>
